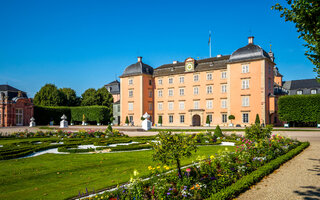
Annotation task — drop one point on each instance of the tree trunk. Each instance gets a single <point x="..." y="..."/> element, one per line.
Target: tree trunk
<point x="179" y="169"/>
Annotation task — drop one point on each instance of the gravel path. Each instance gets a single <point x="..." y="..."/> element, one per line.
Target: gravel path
<point x="299" y="178"/>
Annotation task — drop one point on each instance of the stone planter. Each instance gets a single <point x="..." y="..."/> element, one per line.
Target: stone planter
<point x="98" y="124"/>
<point x="71" y="124"/>
<point x="318" y="126"/>
<point x="286" y="125"/>
<point x="160" y="125"/>
<point x="207" y="125"/>
<point x="231" y="125"/>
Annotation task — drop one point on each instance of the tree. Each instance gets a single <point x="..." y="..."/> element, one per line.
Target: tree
<point x="305" y="14"/>
<point x="208" y="120"/>
<point x="89" y="97"/>
<point x="48" y="95"/>
<point x="218" y="132"/>
<point x="231" y="117"/>
<point x="69" y="97"/>
<point x="104" y="97"/>
<point x="171" y="148"/>
<point x="127" y="120"/>
<point x="257" y="122"/>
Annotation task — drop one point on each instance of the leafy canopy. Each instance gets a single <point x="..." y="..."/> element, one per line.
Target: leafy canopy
<point x="306" y="16"/>
<point x="48" y="95"/>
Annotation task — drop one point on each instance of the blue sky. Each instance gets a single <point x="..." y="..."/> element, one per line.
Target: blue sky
<point x="86" y="44"/>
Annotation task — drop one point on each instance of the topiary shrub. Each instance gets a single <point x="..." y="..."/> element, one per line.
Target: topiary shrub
<point x="257" y="122"/>
<point x="127" y="120"/>
<point x="218" y="132"/>
<point x="208" y="120"/>
<point x="160" y="120"/>
<point x="231" y="117"/>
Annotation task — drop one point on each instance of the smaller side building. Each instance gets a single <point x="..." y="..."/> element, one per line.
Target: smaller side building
<point x="16" y="108"/>
<point x="114" y="89"/>
<point x="300" y="87"/>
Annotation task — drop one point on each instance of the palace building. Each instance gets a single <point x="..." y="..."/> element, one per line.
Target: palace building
<point x="185" y="93"/>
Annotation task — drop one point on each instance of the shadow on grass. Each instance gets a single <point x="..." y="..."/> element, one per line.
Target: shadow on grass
<point x="309" y="192"/>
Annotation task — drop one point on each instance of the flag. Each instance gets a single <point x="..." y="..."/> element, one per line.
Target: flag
<point x="209" y="38"/>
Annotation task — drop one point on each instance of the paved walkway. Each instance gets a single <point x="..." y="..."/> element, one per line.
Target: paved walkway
<point x="299" y="178"/>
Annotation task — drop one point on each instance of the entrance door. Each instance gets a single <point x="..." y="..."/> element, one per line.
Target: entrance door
<point x="196" y="120"/>
<point x="19" y="117"/>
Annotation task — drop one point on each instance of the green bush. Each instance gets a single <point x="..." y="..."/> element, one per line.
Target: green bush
<point x="257" y="119"/>
<point x="255" y="131"/>
<point x="245" y="182"/>
<point x="160" y="120"/>
<point x="299" y="108"/>
<point x="127" y="120"/>
<point x="218" y="132"/>
<point x="208" y="120"/>
<point x="43" y="115"/>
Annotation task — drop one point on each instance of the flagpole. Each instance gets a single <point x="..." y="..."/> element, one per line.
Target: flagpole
<point x="210" y="44"/>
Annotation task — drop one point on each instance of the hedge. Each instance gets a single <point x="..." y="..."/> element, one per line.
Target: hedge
<point x="245" y="182"/>
<point x="44" y="114"/>
<point x="299" y="108"/>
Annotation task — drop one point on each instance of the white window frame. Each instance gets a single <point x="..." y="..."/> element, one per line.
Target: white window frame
<point x="245" y="118"/>
<point x="196" y="104"/>
<point x="209" y="89"/>
<point x="181" y="105"/>
<point x="224" y="118"/>
<point x="182" y="119"/>
<point x="170" y="105"/>
<point x="209" y="104"/>
<point x="130" y="93"/>
<point x="170" y="119"/>
<point x="245" y="84"/>
<point x="150" y="106"/>
<point x="181" y="91"/>
<point x="245" y="101"/>
<point x="181" y="79"/>
<point x="170" y="92"/>
<point x="150" y="94"/>
<point x="170" y="80"/>
<point x="209" y="76"/>
<point x="160" y="93"/>
<point x="130" y="81"/>
<point x="224" y="88"/>
<point x="196" y="90"/>
<point x="210" y="117"/>
<point x="223" y="103"/>
<point x="130" y="106"/>
<point x="245" y="68"/>
<point x="224" y="75"/>
<point x="160" y="106"/>
<point x="130" y="118"/>
<point x="196" y="77"/>
<point x="160" y="81"/>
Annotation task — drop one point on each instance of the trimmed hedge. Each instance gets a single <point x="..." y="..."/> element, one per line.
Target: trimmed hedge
<point x="245" y="182"/>
<point x="299" y="108"/>
<point x="44" y="114"/>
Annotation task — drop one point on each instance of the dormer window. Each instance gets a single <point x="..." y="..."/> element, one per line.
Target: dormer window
<point x="299" y="92"/>
<point x="314" y="91"/>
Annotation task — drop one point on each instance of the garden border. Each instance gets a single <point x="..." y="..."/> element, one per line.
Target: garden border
<point x="245" y="182"/>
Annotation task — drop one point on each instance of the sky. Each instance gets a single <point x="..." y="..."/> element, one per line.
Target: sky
<point x="83" y="44"/>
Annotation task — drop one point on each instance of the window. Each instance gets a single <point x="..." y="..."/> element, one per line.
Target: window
<point x="245" y="117"/>
<point x="210" y="118"/>
<point x="181" y="79"/>
<point x="269" y="83"/>
<point x="181" y="105"/>
<point x="181" y="118"/>
<point x="209" y="76"/>
<point x="245" y="101"/>
<point x="159" y="93"/>
<point x="170" y="80"/>
<point x="160" y="81"/>
<point x="196" y="77"/>
<point x="224" y="75"/>
<point x="160" y="106"/>
<point x="130" y="118"/>
<point x="223" y="103"/>
<point x="130" y="93"/>
<point x="150" y="82"/>
<point x="224" y="118"/>
<point x="245" y="68"/>
<point x="130" y="81"/>
<point x="130" y="106"/>
<point x="195" y="90"/>
<point x="245" y="84"/>
<point x="314" y="91"/>
<point x="170" y="105"/>
<point x="196" y="104"/>
<point x="150" y="93"/>
<point x="150" y="106"/>
<point x="170" y="92"/>
<point x="170" y="118"/>
<point x="209" y="104"/>
<point x="299" y="92"/>
<point x="209" y="89"/>
<point x="181" y="91"/>
<point x="223" y="88"/>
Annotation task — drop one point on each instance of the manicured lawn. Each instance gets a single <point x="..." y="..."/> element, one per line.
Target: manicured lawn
<point x="53" y="176"/>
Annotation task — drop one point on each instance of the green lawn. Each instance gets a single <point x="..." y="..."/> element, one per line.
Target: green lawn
<point x="53" y="176"/>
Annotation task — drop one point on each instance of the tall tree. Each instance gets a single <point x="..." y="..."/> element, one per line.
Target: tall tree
<point x="89" y="97"/>
<point x="48" y="95"/>
<point x="69" y="97"/>
<point x="104" y="97"/>
<point x="306" y="16"/>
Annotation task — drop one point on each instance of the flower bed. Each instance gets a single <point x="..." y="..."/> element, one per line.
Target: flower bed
<point x="213" y="174"/>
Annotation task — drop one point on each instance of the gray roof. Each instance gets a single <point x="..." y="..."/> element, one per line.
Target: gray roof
<point x="11" y="92"/>
<point x="113" y="87"/>
<point x="301" y="84"/>
<point x="200" y="65"/>
<point x="137" y="69"/>
<point x="8" y="88"/>
<point x="249" y="52"/>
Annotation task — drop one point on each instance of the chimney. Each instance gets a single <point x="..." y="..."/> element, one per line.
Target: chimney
<point x="250" y="40"/>
<point x="19" y="94"/>
<point x="139" y="59"/>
